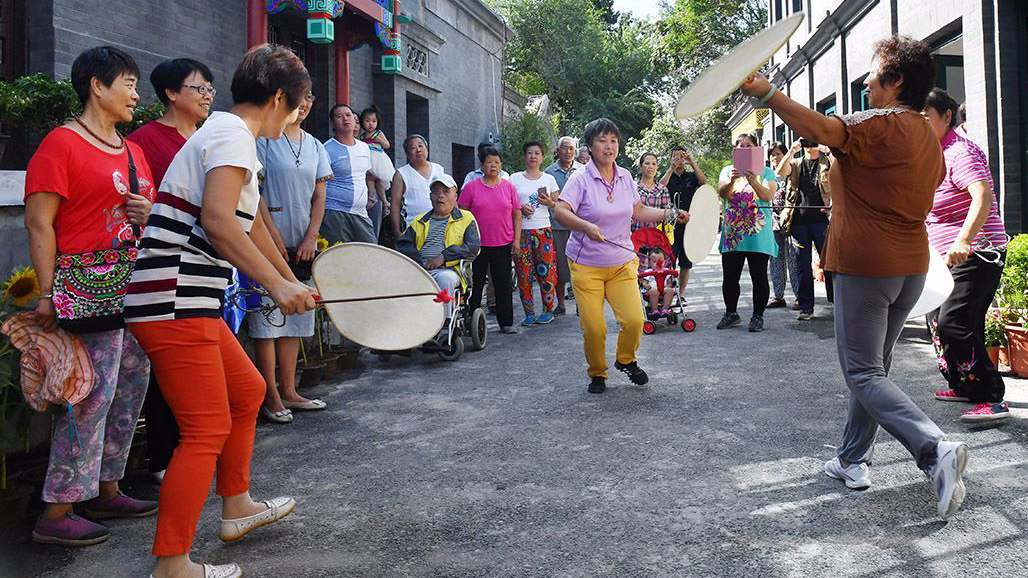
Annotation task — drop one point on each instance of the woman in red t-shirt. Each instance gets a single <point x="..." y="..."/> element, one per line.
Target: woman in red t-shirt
<point x="78" y="200"/>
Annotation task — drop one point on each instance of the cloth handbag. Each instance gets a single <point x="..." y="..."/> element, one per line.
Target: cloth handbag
<point x="89" y="288"/>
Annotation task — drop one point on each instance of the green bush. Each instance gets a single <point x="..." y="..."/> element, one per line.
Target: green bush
<point x="1013" y="289"/>
<point x="142" y="115"/>
<point x="37" y="103"/>
<point x="526" y="128"/>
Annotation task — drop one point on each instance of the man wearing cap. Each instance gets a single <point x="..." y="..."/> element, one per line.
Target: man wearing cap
<point x="440" y="238"/>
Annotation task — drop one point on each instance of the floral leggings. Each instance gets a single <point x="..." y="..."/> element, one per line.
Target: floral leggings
<point x="537" y="258"/>
<point x="104" y="421"/>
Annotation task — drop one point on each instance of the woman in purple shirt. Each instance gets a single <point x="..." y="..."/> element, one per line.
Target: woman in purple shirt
<point x="598" y="205"/>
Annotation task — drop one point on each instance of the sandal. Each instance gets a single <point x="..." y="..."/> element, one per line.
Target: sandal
<point x="284" y="416"/>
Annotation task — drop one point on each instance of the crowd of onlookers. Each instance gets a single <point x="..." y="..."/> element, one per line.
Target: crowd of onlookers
<point x="99" y="205"/>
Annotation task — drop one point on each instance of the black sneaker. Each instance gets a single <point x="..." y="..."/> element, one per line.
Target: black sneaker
<point x="729" y="320"/>
<point x="756" y="324"/>
<point x="632" y="370"/>
<point x="598" y="385"/>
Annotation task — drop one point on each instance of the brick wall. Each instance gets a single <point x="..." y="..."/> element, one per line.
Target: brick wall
<point x="211" y="32"/>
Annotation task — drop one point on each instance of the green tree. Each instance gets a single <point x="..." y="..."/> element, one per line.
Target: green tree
<point x="565" y="49"/>
<point x="695" y="33"/>
<point x="705" y="137"/>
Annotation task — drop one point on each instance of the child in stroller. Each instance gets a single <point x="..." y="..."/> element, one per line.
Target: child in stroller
<point x="658" y="280"/>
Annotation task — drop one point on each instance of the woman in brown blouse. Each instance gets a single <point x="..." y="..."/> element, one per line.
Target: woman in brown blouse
<point x="889" y="164"/>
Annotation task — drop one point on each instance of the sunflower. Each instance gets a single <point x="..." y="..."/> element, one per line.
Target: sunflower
<point x="21" y="287"/>
<point x="322" y="243"/>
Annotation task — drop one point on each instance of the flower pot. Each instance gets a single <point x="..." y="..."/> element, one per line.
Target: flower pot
<point x="310" y="375"/>
<point x="331" y="363"/>
<point x="1004" y="358"/>
<point x="1017" y="345"/>
<point x="994" y="356"/>
<point x="14" y="502"/>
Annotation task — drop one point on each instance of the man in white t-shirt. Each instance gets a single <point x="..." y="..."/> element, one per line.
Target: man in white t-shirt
<point x="346" y="200"/>
<point x="477" y="173"/>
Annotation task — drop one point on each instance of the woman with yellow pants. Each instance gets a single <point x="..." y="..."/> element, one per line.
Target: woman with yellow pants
<point x="598" y="205"/>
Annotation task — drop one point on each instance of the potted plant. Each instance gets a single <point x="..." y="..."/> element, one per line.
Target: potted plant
<point x="310" y="369"/>
<point x="1013" y="297"/>
<point x="19" y="291"/>
<point x="996" y="337"/>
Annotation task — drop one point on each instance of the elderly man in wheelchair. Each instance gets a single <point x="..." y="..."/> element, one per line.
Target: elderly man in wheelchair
<point x="444" y="241"/>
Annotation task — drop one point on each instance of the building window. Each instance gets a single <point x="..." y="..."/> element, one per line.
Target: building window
<point x="272" y="34"/>
<point x="778" y="10"/>
<point x="858" y="95"/>
<point x="300" y="48"/>
<point x="827" y="106"/>
<point x="417" y="59"/>
<point x="797" y="6"/>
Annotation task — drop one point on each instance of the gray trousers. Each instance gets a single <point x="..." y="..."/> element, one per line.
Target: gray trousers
<point x="869" y="315"/>
<point x="560" y="242"/>
<point x="340" y="227"/>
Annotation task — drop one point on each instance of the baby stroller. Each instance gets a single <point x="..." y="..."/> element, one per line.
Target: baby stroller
<point x="657" y="270"/>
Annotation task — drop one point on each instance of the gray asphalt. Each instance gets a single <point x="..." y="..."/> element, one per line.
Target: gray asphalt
<point x="502" y="465"/>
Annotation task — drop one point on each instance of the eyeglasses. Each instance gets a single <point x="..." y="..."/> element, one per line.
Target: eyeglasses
<point x="310" y="97"/>
<point x="203" y="90"/>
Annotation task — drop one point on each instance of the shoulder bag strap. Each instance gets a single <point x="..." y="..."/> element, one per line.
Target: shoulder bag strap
<point x="134" y="189"/>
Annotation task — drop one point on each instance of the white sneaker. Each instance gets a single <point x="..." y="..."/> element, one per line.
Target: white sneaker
<point x="855" y="475"/>
<point x="947" y="476"/>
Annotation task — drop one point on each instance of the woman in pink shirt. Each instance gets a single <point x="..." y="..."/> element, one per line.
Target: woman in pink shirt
<point x="598" y="205"/>
<point x="965" y="228"/>
<point x="494" y="203"/>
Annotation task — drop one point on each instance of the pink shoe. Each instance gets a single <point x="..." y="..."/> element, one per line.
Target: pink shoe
<point x="986" y="412"/>
<point x="69" y="530"/>
<point x="121" y="506"/>
<point x="950" y="395"/>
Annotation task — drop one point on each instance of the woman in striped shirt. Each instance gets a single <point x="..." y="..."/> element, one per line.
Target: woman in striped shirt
<point x="177" y="289"/>
<point x="965" y="228"/>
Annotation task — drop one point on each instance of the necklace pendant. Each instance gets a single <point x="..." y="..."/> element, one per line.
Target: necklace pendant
<point x="297" y="163"/>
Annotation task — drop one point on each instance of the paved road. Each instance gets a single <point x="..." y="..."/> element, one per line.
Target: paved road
<point x="501" y="465"/>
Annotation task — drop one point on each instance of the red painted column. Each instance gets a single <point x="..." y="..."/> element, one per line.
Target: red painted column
<point x="256" y="23"/>
<point x="342" y="46"/>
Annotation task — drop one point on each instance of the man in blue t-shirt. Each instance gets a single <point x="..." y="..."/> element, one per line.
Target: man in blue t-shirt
<point x="346" y="194"/>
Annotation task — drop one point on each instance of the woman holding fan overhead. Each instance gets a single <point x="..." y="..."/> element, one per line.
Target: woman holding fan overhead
<point x="888" y="165"/>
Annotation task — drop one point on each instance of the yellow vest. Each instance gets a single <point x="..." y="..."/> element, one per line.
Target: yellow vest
<point x="455" y="227"/>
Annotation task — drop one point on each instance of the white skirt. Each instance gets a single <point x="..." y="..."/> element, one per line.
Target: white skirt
<point x="381" y="167"/>
<point x="273" y="326"/>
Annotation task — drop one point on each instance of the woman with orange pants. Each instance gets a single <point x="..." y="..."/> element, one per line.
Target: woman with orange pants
<point x="173" y="303"/>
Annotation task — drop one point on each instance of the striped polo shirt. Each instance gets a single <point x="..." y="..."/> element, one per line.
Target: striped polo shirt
<point x="179" y="274"/>
<point x="966" y="164"/>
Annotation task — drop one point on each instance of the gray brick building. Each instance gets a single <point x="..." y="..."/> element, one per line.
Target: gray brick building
<point x="449" y="88"/>
<point x="435" y="70"/>
<point x="981" y="48"/>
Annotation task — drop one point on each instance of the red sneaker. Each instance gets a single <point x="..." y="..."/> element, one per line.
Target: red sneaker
<point x="986" y="412"/>
<point x="950" y="395"/>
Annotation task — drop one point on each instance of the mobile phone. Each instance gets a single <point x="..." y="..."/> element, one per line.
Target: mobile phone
<point x="808" y="143"/>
